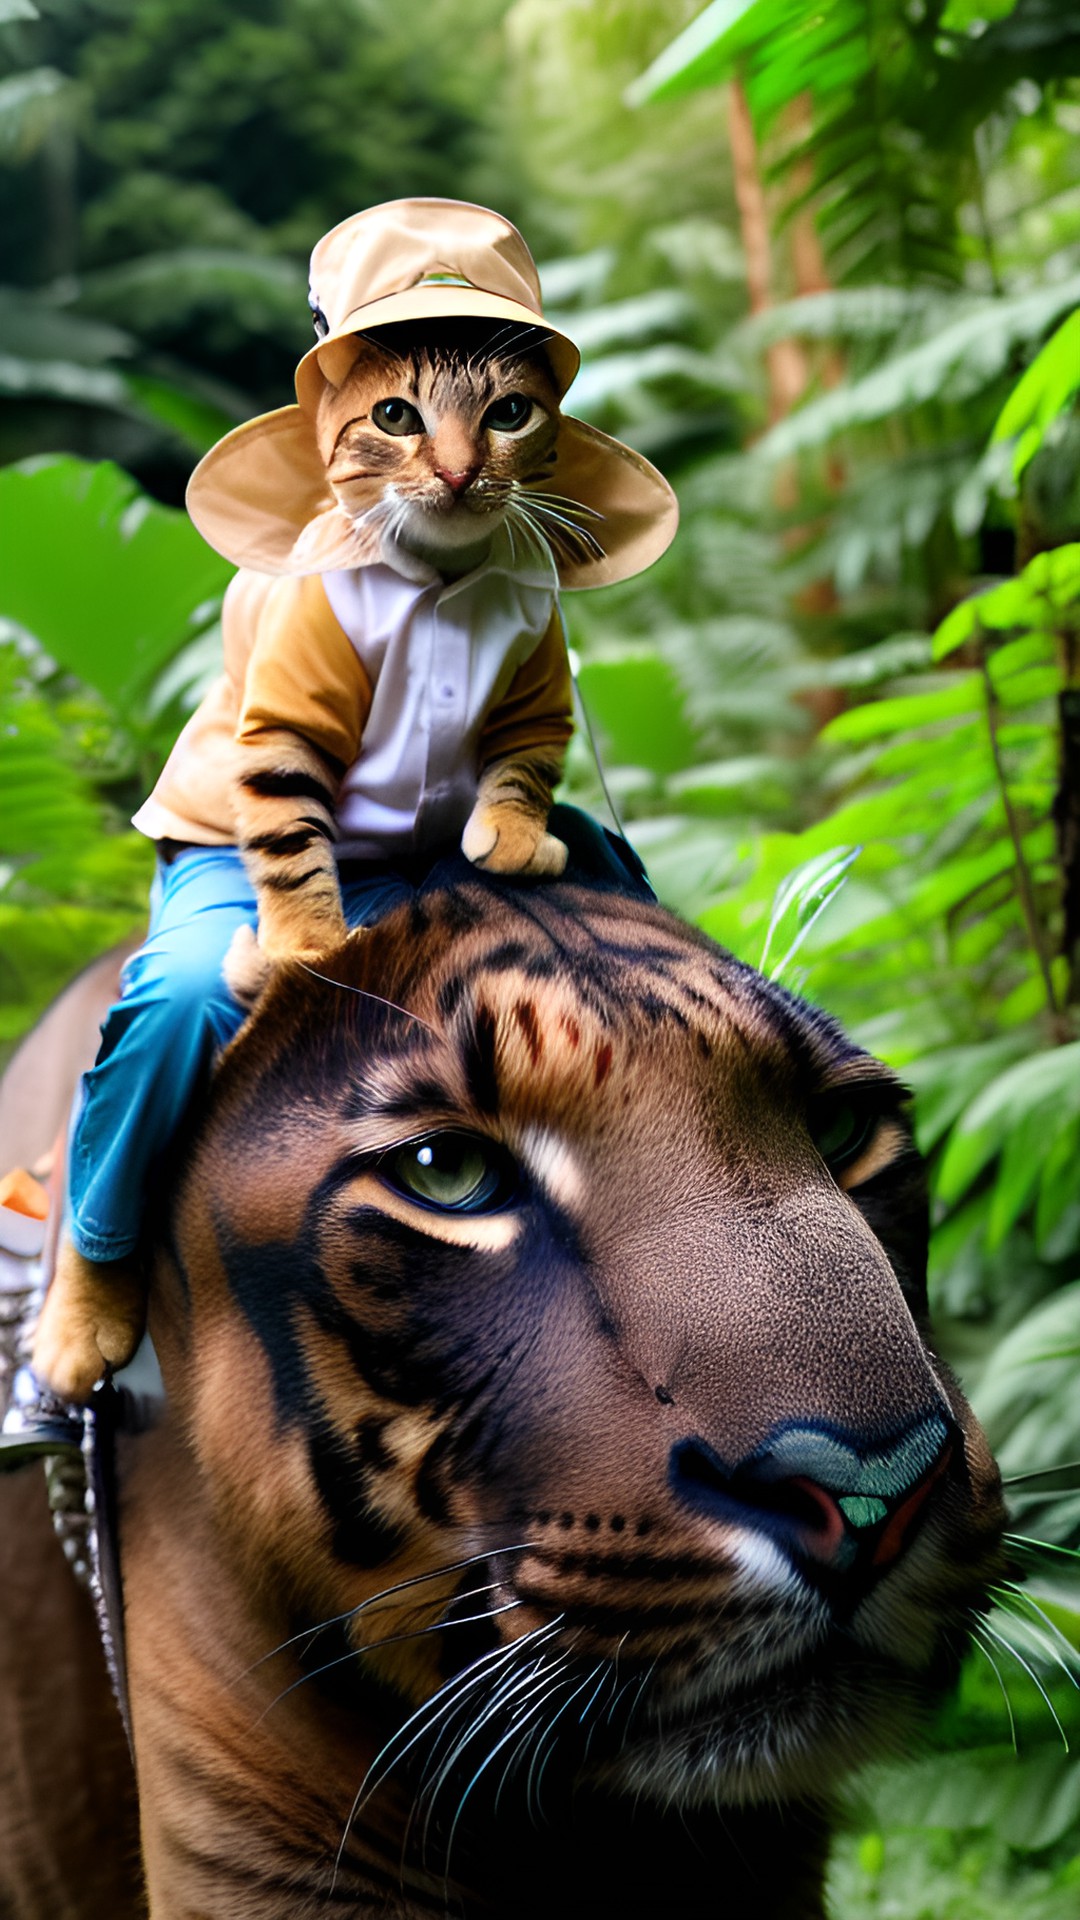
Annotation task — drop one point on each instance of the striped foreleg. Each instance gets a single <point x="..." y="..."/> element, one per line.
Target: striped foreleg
<point x="506" y="831"/>
<point x="285" y="802"/>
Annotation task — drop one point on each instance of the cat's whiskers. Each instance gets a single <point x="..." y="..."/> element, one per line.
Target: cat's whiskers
<point x="534" y="538"/>
<point x="557" y="532"/>
<point x="562" y="500"/>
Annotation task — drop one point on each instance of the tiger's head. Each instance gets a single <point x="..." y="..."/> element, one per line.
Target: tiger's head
<point x="546" y="1309"/>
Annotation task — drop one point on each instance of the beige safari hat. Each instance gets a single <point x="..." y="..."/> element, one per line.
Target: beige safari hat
<point x="261" y="496"/>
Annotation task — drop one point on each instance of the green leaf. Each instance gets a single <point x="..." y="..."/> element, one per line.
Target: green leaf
<point x="194" y="420"/>
<point x="64" y="380"/>
<point x="616" y="323"/>
<point x="1045" y="390"/>
<point x="36" y="328"/>
<point x="956" y="362"/>
<point x="878" y="717"/>
<point x="1059" y="1181"/>
<point x="802" y="899"/>
<point x="639" y="707"/>
<point x="953" y="882"/>
<point x="1047" y="1085"/>
<point x="729" y="786"/>
<point x="838" y="313"/>
<point x="110" y="584"/>
<point x="1030" y="1806"/>
<point x="944" y="1082"/>
<point x="168" y="289"/>
<point x="1018" y="1172"/>
<point x="1027" y="1395"/>
<point x="1017" y="656"/>
<point x="698" y="57"/>
<point x="903" y="653"/>
<point x="30" y="105"/>
<point x="1046" y="593"/>
<point x="959" y="15"/>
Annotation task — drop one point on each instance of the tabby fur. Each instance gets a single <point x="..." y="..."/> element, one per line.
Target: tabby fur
<point x="475" y="1567"/>
<point x="448" y="476"/>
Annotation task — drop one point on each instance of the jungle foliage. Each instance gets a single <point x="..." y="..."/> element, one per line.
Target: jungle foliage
<point x="825" y="269"/>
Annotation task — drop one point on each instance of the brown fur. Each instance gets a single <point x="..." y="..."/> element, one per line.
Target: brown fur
<point x="68" y="1811"/>
<point x="386" y="1416"/>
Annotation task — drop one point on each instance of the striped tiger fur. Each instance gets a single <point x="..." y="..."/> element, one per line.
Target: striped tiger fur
<point x="558" y="1494"/>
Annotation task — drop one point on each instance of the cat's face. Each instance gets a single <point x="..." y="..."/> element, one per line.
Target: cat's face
<point x="435" y="438"/>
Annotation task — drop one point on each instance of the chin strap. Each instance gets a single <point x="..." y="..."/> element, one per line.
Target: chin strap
<point x="587" y="728"/>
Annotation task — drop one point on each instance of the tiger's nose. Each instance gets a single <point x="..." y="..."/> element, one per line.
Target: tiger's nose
<point x="841" y="1512"/>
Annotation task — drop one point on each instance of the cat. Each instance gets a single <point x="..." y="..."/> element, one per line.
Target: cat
<point x="454" y="427"/>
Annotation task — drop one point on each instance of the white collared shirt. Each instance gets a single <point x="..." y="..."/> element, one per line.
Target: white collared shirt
<point x="439" y="656"/>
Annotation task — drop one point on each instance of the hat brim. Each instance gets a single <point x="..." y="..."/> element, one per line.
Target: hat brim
<point x="434" y="300"/>
<point x="257" y="495"/>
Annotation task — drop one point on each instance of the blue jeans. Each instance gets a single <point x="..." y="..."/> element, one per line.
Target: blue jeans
<point x="176" y="1013"/>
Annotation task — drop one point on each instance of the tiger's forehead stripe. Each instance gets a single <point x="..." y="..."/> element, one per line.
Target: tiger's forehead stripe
<point x="512" y="1035"/>
<point x="560" y="1005"/>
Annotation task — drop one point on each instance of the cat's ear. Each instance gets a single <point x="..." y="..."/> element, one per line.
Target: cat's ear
<point x="337" y="359"/>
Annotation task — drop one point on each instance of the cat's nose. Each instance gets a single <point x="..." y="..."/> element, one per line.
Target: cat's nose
<point x="457" y="482"/>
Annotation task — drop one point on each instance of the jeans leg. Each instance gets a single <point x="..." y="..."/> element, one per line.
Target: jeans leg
<point x="157" y="1044"/>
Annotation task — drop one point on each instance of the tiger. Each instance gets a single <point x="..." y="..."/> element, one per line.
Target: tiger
<point x="557" y="1492"/>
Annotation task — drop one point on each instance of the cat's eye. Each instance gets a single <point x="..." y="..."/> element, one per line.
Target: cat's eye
<point x="509" y="414"/>
<point x="396" y="416"/>
<point x="455" y="1172"/>
<point x="842" y="1127"/>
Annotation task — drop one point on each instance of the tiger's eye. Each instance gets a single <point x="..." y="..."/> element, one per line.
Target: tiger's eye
<point x="840" y="1130"/>
<point x="509" y="414"/>
<point x="396" y="416"/>
<point x="459" y="1172"/>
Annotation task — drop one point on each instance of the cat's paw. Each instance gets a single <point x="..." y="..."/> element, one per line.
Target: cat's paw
<point x="502" y="840"/>
<point x="247" y="967"/>
<point x="92" y="1318"/>
<point x="549" y="857"/>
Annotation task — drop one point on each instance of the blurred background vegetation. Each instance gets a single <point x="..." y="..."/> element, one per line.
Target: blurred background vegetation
<point x="825" y="269"/>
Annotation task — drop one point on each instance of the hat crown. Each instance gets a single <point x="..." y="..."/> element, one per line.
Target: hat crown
<point x="409" y="244"/>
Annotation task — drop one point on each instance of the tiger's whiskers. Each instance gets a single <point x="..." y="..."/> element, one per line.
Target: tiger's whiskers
<point x="481" y="1771"/>
<point x="1007" y="1647"/>
<point x="532" y="1686"/>
<point x="393" y="1640"/>
<point x="978" y="1641"/>
<point x="384" y="1593"/>
<point x="1010" y="1596"/>
<point x="445" y="1702"/>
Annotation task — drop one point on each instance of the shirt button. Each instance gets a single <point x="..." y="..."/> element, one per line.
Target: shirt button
<point x="447" y="692"/>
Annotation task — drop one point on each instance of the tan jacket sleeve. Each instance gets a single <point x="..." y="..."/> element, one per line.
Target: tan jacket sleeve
<point x="537" y="708"/>
<point x="304" y="675"/>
